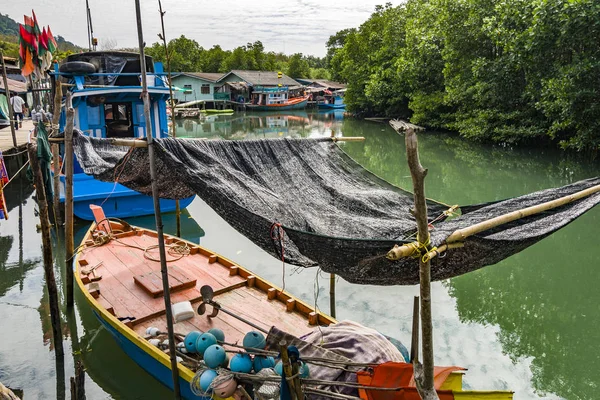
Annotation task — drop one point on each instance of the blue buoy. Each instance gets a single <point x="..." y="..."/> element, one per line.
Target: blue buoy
<point x="279" y="368"/>
<point x="190" y="341"/>
<point x="304" y="371"/>
<point x="261" y="362"/>
<point x="204" y="341"/>
<point x="206" y="380"/>
<point x="218" y="334"/>
<point x="254" y="340"/>
<point x="214" y="356"/>
<point x="241" y="363"/>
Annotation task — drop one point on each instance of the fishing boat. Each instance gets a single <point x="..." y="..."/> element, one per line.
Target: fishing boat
<point x="118" y="272"/>
<point x="105" y="92"/>
<point x="275" y="99"/>
<point x="332" y="100"/>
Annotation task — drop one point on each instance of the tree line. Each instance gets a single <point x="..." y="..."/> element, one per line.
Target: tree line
<point x="188" y="56"/>
<point x="509" y="71"/>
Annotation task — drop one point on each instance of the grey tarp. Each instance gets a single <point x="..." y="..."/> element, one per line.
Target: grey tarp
<point x="334" y="213"/>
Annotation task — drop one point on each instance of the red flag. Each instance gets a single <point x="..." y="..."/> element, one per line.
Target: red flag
<point x="51" y="41"/>
<point x="36" y="27"/>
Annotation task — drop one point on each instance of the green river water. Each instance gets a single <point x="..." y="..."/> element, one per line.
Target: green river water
<point x="530" y="324"/>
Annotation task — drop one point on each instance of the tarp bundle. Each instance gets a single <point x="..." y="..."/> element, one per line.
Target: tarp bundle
<point x="332" y="212"/>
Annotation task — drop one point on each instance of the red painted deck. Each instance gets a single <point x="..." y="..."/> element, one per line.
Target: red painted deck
<point x="131" y="287"/>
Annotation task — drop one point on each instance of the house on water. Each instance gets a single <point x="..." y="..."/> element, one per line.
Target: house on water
<point x="241" y="84"/>
<point x="201" y="87"/>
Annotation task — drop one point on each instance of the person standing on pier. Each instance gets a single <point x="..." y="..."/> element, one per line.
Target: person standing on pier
<point x="17" y="105"/>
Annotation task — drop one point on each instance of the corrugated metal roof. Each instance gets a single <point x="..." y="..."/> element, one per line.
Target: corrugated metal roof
<point x="263" y="78"/>
<point x="327" y="84"/>
<point x="14" y="86"/>
<point x="207" y="76"/>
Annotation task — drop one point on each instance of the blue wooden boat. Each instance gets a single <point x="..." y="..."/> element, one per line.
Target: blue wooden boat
<point x="334" y="100"/>
<point x="106" y="99"/>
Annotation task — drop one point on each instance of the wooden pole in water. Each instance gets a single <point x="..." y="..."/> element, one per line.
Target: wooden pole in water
<point x="332" y="295"/>
<point x="55" y="150"/>
<point x="171" y="100"/>
<point x="423" y="372"/>
<point x="47" y="249"/>
<point x="10" y="108"/>
<point x="159" y="223"/>
<point x="78" y="382"/>
<point x="69" y="217"/>
<point x="414" y="342"/>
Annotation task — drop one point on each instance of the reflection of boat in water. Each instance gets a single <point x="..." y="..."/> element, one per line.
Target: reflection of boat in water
<point x="217" y="111"/>
<point x="127" y="301"/>
<point x="114" y="110"/>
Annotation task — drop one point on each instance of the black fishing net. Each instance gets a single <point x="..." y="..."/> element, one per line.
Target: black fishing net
<point x="306" y="201"/>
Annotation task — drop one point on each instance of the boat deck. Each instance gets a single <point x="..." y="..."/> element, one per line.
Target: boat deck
<point x="130" y="288"/>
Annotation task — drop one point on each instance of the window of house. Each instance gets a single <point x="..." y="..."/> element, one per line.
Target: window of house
<point x="205" y="89"/>
<point x="187" y="89"/>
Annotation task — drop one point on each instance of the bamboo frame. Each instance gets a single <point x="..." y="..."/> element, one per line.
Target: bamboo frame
<point x="458" y="236"/>
<point x="144" y="143"/>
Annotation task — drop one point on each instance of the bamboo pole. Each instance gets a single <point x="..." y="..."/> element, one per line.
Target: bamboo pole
<point x="69" y="217"/>
<point x="47" y="249"/>
<point x="457" y="237"/>
<point x="423" y="372"/>
<point x="56" y="109"/>
<point x="168" y="60"/>
<point x="10" y="107"/>
<point x="287" y="370"/>
<point x="158" y="217"/>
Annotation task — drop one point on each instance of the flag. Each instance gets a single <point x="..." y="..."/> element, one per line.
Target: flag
<point x="36" y="27"/>
<point x="52" y="45"/>
<point x="27" y="48"/>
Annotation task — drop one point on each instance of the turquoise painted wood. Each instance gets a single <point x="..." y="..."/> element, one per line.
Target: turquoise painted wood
<point x="194" y="88"/>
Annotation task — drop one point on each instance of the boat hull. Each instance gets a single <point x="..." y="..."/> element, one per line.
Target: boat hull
<point x="331" y="106"/>
<point x="116" y="200"/>
<point x="148" y="363"/>
<point x="278" y="107"/>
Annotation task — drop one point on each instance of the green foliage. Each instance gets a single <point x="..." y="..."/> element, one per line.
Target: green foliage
<point x="510" y="71"/>
<point x="8" y="26"/>
<point x="298" y="67"/>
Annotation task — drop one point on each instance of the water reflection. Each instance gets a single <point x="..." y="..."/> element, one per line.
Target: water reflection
<point x="297" y="124"/>
<point x="527" y="324"/>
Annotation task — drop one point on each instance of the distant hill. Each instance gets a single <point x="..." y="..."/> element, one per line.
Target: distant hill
<point x="9" y="32"/>
<point x="8" y="26"/>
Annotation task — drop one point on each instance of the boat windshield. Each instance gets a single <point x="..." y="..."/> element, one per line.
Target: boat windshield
<point x="119" y="122"/>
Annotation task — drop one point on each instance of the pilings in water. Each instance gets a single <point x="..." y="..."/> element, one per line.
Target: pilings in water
<point x="77" y="382"/>
<point x="47" y="249"/>
<point x="69" y="217"/>
<point x="56" y="109"/>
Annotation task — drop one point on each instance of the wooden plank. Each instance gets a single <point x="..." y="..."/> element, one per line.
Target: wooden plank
<point x="151" y="282"/>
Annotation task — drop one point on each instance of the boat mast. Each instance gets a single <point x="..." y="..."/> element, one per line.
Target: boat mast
<point x="158" y="217"/>
<point x="91" y="39"/>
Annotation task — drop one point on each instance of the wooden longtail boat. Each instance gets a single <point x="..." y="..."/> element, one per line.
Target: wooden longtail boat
<point x="118" y="272"/>
<point x="291" y="104"/>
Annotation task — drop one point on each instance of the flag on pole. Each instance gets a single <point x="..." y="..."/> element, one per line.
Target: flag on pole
<point x="27" y="46"/>
<point x="52" y="45"/>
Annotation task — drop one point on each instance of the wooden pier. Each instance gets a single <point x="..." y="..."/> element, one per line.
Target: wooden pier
<point x="6" y="140"/>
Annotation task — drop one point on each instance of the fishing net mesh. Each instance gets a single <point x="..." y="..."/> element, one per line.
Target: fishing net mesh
<point x="307" y="201"/>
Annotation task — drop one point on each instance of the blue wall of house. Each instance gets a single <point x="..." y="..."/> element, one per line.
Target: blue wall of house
<point x="194" y="90"/>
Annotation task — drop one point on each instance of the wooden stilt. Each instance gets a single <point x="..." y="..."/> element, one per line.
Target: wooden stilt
<point x="78" y="382"/>
<point x="157" y="215"/>
<point x="287" y="370"/>
<point x="171" y="100"/>
<point x="69" y="217"/>
<point x="332" y="295"/>
<point x="10" y="108"/>
<point x="47" y="249"/>
<point x="414" y="342"/>
<point x="55" y="150"/>
<point x="423" y="372"/>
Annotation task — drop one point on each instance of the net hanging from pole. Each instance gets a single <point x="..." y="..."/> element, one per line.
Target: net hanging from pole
<point x="333" y="213"/>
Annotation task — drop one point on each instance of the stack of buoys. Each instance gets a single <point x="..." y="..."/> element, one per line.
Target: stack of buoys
<point x="214" y="379"/>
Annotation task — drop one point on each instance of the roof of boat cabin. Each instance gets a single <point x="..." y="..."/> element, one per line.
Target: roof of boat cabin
<point x="324" y="83"/>
<point x="262" y="78"/>
<point x="207" y="76"/>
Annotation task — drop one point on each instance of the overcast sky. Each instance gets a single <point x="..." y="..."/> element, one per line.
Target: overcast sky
<point x="289" y="26"/>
